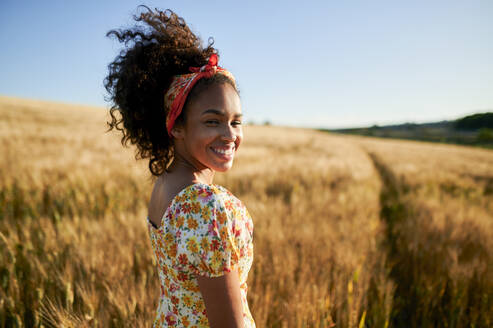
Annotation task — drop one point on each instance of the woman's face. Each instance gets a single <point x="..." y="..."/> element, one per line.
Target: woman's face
<point x="212" y="132"/>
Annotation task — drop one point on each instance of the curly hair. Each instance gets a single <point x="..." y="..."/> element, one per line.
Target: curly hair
<point x="159" y="48"/>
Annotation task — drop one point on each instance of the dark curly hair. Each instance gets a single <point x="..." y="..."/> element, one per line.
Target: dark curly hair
<point x="159" y="48"/>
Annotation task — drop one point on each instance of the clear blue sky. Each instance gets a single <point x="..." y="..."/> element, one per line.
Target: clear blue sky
<point x="310" y="63"/>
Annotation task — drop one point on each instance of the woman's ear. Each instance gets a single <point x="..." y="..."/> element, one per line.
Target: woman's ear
<point x="177" y="131"/>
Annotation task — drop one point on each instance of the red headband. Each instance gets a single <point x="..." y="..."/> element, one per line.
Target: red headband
<point x="180" y="87"/>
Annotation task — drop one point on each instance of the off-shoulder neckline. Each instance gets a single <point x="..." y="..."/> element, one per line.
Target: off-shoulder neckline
<point x="151" y="224"/>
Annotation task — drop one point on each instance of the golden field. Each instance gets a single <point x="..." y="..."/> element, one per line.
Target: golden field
<point x="349" y="231"/>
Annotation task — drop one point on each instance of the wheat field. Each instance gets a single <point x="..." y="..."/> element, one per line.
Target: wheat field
<point x="349" y="231"/>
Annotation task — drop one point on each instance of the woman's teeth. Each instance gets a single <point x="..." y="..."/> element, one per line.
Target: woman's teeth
<point x="223" y="151"/>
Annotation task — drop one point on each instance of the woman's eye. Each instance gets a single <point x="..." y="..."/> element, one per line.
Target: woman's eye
<point x="235" y="123"/>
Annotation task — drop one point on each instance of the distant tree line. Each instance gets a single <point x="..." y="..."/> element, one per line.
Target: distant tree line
<point x="475" y="122"/>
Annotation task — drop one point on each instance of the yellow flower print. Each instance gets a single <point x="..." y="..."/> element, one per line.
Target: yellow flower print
<point x="234" y="256"/>
<point x="195" y="207"/>
<point x="159" y="243"/>
<point x="169" y="239"/>
<point x="184" y="321"/>
<point x="203" y="322"/>
<point x="204" y="243"/>
<point x="216" y="261"/>
<point x="192" y="245"/>
<point x="180" y="198"/>
<point x="190" y="286"/>
<point x="173" y="275"/>
<point x="192" y="224"/>
<point x="172" y="250"/>
<point x="187" y="300"/>
<point x="224" y="233"/>
<point x="199" y="305"/>
<point x="203" y="267"/>
<point x="221" y="217"/>
<point x="179" y="221"/>
<point x="206" y="214"/>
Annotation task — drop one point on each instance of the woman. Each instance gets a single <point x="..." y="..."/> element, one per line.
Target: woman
<point x="183" y="112"/>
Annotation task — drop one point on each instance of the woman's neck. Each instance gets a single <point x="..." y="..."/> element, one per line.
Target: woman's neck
<point x="187" y="171"/>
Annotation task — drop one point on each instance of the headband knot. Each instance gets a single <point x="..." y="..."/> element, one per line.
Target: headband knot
<point x="180" y="87"/>
<point x="211" y="66"/>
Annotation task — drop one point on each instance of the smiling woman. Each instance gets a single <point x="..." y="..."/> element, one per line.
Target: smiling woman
<point x="183" y="112"/>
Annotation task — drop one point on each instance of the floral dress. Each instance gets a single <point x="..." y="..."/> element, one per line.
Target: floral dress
<point x="205" y="231"/>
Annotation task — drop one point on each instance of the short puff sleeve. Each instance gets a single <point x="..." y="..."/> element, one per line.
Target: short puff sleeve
<point x="206" y="235"/>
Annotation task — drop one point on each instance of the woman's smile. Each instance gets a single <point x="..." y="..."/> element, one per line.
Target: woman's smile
<point x="225" y="153"/>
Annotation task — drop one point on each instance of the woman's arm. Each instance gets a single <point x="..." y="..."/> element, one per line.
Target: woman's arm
<point x="222" y="300"/>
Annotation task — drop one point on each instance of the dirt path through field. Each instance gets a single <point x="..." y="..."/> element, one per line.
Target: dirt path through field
<point x="421" y="253"/>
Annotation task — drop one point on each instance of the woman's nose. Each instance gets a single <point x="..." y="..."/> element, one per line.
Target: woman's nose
<point x="229" y="133"/>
